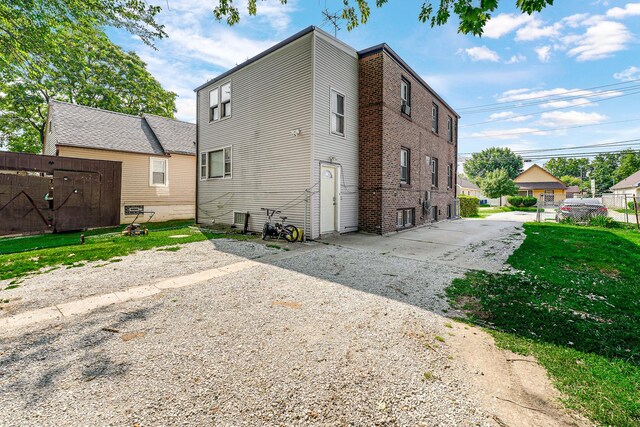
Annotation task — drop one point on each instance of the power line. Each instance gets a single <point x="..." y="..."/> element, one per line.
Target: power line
<point x="577" y="147"/>
<point x="549" y="96"/>
<point x="576" y="155"/>
<point x="548" y="130"/>
<point x="552" y="109"/>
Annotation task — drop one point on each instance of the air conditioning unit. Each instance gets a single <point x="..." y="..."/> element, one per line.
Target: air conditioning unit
<point x="406" y="108"/>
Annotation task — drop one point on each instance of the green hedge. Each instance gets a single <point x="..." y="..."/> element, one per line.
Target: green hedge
<point x="519" y="201"/>
<point x="468" y="206"/>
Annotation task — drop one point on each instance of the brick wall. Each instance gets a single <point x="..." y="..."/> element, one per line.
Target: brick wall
<point x="384" y="130"/>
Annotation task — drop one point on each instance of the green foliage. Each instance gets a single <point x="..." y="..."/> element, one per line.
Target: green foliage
<point x="27" y="24"/>
<point x="629" y="164"/>
<point x="492" y="159"/>
<point x="81" y="66"/>
<point x="529" y="201"/>
<point x="563" y="167"/>
<point x="468" y="206"/>
<point x="497" y="183"/>
<point x="515" y="200"/>
<point x="631" y="205"/>
<point x="473" y="16"/>
<point x="603" y="169"/>
<point x="603" y="221"/>
<point x="569" y="180"/>
<point x="574" y="305"/>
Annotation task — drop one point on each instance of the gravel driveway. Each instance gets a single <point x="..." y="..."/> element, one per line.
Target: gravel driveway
<point x="321" y="336"/>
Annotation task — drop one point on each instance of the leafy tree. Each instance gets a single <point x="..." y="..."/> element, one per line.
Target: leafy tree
<point x="498" y="183"/>
<point x="569" y="180"/>
<point x="492" y="159"/>
<point x="80" y="66"/>
<point x="603" y="169"/>
<point x="473" y="15"/>
<point x="629" y="164"/>
<point x="25" y="24"/>
<point x="561" y="166"/>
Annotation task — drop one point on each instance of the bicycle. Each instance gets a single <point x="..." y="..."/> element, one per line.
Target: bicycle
<point x="287" y="231"/>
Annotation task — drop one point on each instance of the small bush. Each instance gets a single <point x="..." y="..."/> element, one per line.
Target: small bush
<point x="631" y="206"/>
<point x="602" y="221"/>
<point x="515" y="201"/>
<point x="529" y="201"/>
<point x="468" y="206"/>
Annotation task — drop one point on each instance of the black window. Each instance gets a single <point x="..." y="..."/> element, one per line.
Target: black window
<point x="405" y="97"/>
<point x="450" y="175"/>
<point x="225" y="99"/>
<point x="434" y="118"/>
<point x="449" y="129"/>
<point x="404" y="165"/>
<point x="434" y="172"/>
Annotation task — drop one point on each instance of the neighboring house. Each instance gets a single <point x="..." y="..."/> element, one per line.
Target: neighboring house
<point x="338" y="140"/>
<point x="573" y="191"/>
<point x="157" y="155"/>
<point x="629" y="186"/>
<point x="537" y="181"/>
<point x="468" y="188"/>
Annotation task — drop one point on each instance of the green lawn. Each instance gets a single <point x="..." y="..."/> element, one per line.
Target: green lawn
<point x="484" y="212"/>
<point x="65" y="249"/>
<point x="576" y="307"/>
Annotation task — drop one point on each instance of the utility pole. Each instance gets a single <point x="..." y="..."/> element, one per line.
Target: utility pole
<point x="333" y="19"/>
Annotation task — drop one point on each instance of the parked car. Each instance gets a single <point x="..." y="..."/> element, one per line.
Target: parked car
<point x="580" y="210"/>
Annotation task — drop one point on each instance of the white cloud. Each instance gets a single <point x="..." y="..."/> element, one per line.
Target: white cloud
<point x="482" y="53"/>
<point x="631" y="9"/>
<point x="535" y="30"/>
<point x="557" y="97"/>
<point x="599" y="41"/>
<point x="574" y="21"/>
<point x="505" y="23"/>
<point x="509" y="116"/>
<point x="570" y="118"/>
<point x="502" y="134"/>
<point x="516" y="59"/>
<point x="544" y="53"/>
<point x="631" y="73"/>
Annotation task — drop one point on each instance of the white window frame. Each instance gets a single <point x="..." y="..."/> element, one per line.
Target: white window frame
<point x="405" y="95"/>
<point x="219" y="102"/>
<point x="204" y="165"/>
<point x="402" y="215"/>
<point x="435" y="116"/>
<point x="207" y="153"/>
<point x="234" y="217"/>
<point x="332" y="113"/>
<point x="434" y="172"/>
<point x="403" y="150"/>
<point x="166" y="171"/>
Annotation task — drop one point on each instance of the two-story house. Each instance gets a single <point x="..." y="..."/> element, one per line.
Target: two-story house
<point x="338" y="140"/>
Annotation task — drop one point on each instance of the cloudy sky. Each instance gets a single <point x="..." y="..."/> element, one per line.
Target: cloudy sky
<point x="560" y="78"/>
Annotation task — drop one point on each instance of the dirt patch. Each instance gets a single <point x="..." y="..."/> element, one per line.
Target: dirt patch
<point x="132" y="336"/>
<point x="288" y="304"/>
<point x="514" y="389"/>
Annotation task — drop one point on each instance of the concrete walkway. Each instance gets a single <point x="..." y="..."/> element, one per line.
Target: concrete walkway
<point x="86" y="305"/>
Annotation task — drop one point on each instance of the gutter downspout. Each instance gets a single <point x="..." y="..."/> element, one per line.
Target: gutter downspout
<point x="197" y="152"/>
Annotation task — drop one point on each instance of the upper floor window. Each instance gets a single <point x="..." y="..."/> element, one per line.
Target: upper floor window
<point x="405" y="97"/>
<point x="404" y="166"/>
<point x="450" y="175"/>
<point x="449" y="129"/>
<point x="225" y="100"/>
<point x="434" y="172"/>
<point x="434" y="118"/>
<point x="216" y="164"/>
<point x="158" y="172"/>
<point x="220" y="102"/>
<point x="337" y="113"/>
<point x="214" y="109"/>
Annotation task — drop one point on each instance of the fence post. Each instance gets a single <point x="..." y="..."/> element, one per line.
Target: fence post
<point x="635" y="205"/>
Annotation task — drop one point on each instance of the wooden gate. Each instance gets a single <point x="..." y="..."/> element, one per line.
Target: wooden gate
<point x="42" y="193"/>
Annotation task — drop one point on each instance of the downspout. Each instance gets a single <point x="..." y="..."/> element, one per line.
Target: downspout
<point x="197" y="151"/>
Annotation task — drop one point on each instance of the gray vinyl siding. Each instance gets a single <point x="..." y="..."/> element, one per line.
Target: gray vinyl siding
<point x="336" y="67"/>
<point x="270" y="167"/>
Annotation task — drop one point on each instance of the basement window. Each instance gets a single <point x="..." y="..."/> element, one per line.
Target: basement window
<point x="404" y="218"/>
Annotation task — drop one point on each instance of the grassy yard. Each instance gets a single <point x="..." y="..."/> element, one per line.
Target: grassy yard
<point x="576" y="307"/>
<point x="25" y="255"/>
<point x="484" y="212"/>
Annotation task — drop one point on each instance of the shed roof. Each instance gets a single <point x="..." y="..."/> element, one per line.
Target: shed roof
<point x="465" y="183"/>
<point x="632" y="181"/>
<point x="88" y="127"/>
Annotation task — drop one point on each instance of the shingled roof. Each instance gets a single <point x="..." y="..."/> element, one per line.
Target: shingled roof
<point x="632" y="181"/>
<point x="87" y="127"/>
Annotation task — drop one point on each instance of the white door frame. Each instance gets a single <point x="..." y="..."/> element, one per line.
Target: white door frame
<point x="337" y="176"/>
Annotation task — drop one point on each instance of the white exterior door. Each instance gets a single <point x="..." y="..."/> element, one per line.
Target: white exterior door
<point x="328" y="199"/>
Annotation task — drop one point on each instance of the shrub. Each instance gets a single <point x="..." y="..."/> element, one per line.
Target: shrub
<point x="468" y="206"/>
<point x="602" y="221"/>
<point x="529" y="201"/>
<point x="631" y="207"/>
<point x="515" y="201"/>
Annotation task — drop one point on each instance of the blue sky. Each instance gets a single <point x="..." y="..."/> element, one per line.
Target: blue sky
<point x="569" y="46"/>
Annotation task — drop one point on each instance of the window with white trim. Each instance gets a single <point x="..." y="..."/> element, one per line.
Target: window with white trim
<point x="219" y="163"/>
<point x="434" y="172"/>
<point x="405" y="97"/>
<point x="337" y="113"/>
<point x="157" y="172"/>
<point x="434" y="118"/>
<point x="404" y="166"/>
<point x="225" y="100"/>
<point x="214" y="107"/>
<point x="404" y="217"/>
<point x="203" y="165"/>
<point x="239" y="218"/>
